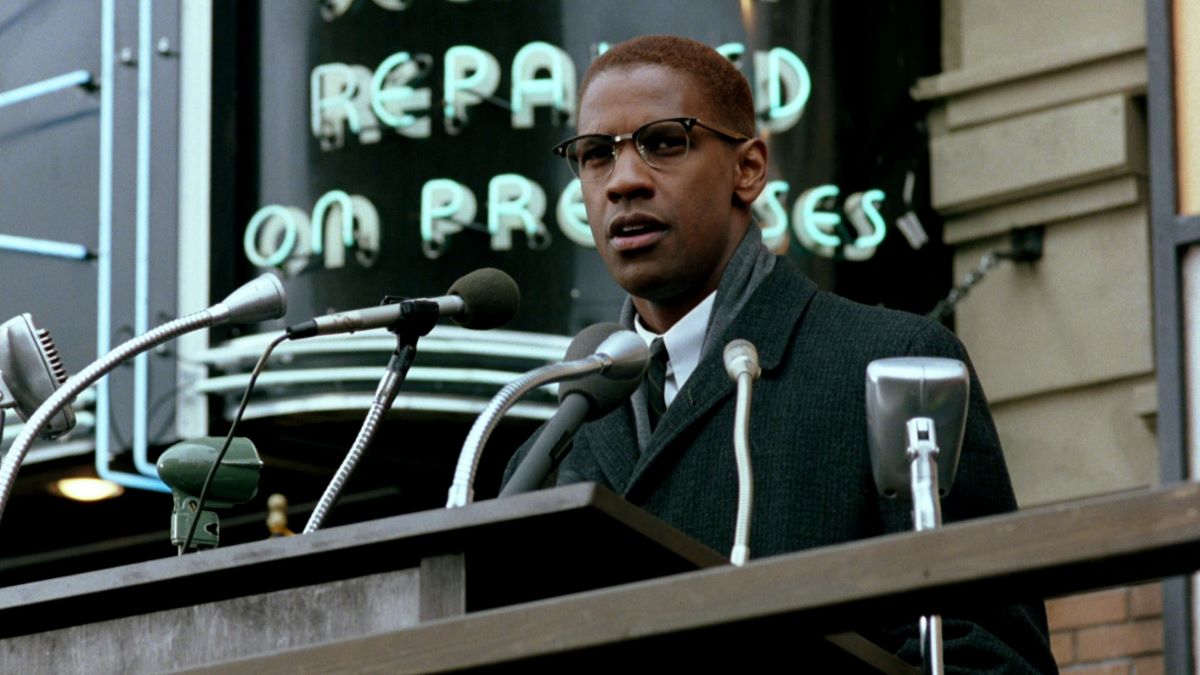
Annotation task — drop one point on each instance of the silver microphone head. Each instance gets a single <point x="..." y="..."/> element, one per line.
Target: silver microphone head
<point x="30" y="371"/>
<point x="256" y="300"/>
<point x="741" y="357"/>
<point x="628" y="353"/>
<point x="900" y="389"/>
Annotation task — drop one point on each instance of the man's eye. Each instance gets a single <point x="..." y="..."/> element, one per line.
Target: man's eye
<point x="665" y="144"/>
<point x="595" y="153"/>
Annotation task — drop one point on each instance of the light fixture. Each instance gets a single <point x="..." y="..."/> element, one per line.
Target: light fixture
<point x="86" y="489"/>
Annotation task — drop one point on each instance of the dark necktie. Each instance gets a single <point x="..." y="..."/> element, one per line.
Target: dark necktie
<point x="656" y="381"/>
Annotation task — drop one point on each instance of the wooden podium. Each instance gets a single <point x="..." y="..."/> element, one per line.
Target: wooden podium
<point x="348" y="585"/>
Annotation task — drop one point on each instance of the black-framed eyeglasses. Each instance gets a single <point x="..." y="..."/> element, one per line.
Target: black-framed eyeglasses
<point x="661" y="143"/>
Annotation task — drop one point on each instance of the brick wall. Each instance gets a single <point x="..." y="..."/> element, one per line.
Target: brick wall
<point x="1112" y="632"/>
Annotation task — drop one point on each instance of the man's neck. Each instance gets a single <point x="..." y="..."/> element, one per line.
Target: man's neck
<point x="659" y="317"/>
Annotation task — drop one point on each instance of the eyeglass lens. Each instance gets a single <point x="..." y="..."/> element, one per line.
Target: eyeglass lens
<point x="661" y="145"/>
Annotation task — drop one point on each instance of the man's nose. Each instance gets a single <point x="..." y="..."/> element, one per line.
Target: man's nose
<point x="631" y="176"/>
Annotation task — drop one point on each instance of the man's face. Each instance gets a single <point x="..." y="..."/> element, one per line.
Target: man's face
<point x="665" y="235"/>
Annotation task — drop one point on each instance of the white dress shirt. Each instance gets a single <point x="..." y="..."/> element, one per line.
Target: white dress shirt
<point x="683" y="341"/>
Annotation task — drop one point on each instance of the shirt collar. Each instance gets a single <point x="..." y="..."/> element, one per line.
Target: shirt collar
<point x="683" y="340"/>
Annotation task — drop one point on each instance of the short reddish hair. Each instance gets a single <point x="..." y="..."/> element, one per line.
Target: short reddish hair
<point x="720" y="82"/>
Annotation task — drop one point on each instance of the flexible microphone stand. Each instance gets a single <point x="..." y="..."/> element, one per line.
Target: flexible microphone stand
<point x="417" y="319"/>
<point x="741" y="363"/>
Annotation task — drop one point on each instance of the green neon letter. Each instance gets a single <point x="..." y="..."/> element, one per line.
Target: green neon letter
<point x="445" y="207"/>
<point x="732" y="51"/>
<point x="772" y="216"/>
<point x="392" y="98"/>
<point x="815" y="228"/>
<point x="779" y="72"/>
<point x="529" y="91"/>
<point x="862" y="209"/>
<point x="471" y="76"/>
<point x="333" y="198"/>
<point x="572" y="215"/>
<point x="274" y="222"/>
<point x="516" y="203"/>
<point x="337" y="93"/>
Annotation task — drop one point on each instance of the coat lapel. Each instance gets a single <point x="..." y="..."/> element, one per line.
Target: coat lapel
<point x="768" y="321"/>
<point x="613" y="443"/>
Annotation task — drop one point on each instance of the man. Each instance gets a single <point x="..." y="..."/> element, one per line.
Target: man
<point x="670" y="166"/>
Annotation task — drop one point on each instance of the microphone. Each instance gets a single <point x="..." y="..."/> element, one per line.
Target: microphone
<point x="484" y="299"/>
<point x="620" y="356"/>
<point x="905" y="388"/>
<point x="257" y="300"/>
<point x="928" y="398"/>
<point x="741" y="363"/>
<point x="30" y="371"/>
<point x="585" y="399"/>
<point x="741" y="358"/>
<point x="185" y="466"/>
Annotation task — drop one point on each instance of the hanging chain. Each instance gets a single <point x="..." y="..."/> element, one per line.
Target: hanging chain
<point x="945" y="306"/>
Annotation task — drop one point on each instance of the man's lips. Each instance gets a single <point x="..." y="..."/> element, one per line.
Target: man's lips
<point x="635" y="231"/>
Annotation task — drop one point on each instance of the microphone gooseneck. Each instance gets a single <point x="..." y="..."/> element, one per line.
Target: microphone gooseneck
<point x="385" y="395"/>
<point x="621" y="355"/>
<point x="260" y="299"/>
<point x="741" y="363"/>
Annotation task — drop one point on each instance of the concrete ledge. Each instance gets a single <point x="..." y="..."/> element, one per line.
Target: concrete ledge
<point x="1124" y="73"/>
<point x="1037" y="154"/>
<point x="1047" y="209"/>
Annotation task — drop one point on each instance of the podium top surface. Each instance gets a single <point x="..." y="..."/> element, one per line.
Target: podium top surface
<point x="1042" y="552"/>
<point x="583" y="533"/>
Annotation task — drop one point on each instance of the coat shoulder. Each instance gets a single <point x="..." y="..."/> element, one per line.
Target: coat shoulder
<point x="879" y="331"/>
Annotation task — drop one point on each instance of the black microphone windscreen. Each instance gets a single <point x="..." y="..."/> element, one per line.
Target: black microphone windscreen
<point x="605" y="394"/>
<point x="491" y="298"/>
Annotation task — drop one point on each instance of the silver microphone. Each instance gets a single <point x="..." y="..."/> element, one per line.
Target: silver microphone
<point x="621" y="356"/>
<point x="916" y="406"/>
<point x="901" y="389"/>
<point x="741" y="363"/>
<point x="30" y="371"/>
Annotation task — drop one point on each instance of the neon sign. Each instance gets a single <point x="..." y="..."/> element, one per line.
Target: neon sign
<point x="349" y="95"/>
<point x="542" y="75"/>
<point x="392" y="96"/>
<point x="817" y="228"/>
<point x="516" y="203"/>
<point x="285" y="237"/>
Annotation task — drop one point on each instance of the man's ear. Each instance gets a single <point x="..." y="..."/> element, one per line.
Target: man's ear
<point x="750" y="172"/>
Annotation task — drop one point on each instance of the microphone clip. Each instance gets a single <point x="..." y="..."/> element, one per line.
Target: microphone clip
<point x="417" y="318"/>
